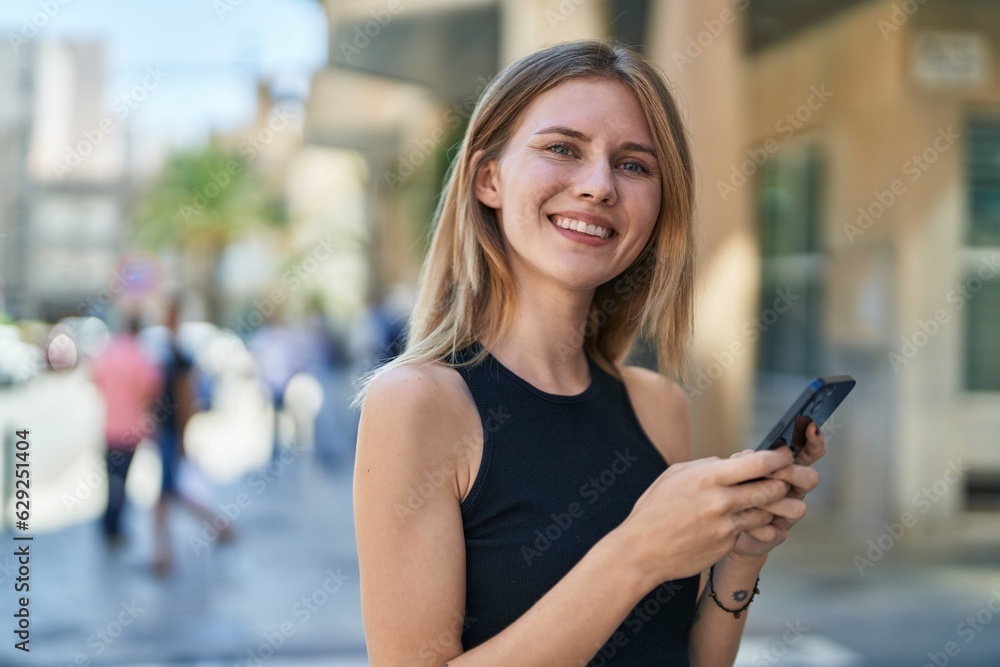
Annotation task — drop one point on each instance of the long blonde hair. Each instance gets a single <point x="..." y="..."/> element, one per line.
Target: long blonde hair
<point x="467" y="292"/>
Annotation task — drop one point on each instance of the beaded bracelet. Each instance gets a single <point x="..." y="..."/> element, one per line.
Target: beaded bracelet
<point x="734" y="612"/>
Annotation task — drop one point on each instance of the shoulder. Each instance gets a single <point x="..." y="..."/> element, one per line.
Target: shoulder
<point x="423" y="416"/>
<point x="415" y="390"/>
<point x="663" y="409"/>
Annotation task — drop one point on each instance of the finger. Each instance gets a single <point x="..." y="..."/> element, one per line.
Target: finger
<point x="771" y="535"/>
<point x="799" y="477"/>
<point x="742" y="453"/>
<point x="791" y="509"/>
<point x="799" y="436"/>
<point x="814" y="450"/>
<point x="750" y="519"/>
<point x="758" y="494"/>
<point x="752" y="466"/>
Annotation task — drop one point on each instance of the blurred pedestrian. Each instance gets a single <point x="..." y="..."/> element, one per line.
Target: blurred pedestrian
<point x="177" y="391"/>
<point x="275" y="349"/>
<point x="326" y="357"/>
<point x="129" y="382"/>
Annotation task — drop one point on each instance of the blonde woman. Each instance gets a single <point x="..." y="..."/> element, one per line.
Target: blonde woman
<point x="522" y="498"/>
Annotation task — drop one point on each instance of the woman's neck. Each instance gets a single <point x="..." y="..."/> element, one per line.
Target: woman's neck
<point x="544" y="345"/>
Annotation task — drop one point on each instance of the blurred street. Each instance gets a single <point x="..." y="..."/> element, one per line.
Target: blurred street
<point x="285" y="592"/>
<point x="288" y="585"/>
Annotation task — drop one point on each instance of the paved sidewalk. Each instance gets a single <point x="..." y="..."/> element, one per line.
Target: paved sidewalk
<point x="287" y="587"/>
<point x="819" y="607"/>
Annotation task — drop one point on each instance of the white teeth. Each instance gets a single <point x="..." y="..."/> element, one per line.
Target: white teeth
<point x="582" y="227"/>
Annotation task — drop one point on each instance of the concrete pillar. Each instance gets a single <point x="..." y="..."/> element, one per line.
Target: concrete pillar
<point x="528" y="25"/>
<point x="700" y="47"/>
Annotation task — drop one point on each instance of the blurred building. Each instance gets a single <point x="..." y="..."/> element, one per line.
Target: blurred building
<point x="15" y="130"/>
<point x="849" y="178"/>
<point x="872" y="147"/>
<point x="321" y="257"/>
<point x="64" y="191"/>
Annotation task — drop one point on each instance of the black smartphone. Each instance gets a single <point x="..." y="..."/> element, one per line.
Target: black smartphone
<point x="817" y="402"/>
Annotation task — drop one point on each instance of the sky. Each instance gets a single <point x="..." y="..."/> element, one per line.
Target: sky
<point x="212" y="51"/>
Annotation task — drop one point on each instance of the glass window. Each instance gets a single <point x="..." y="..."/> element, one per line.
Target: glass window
<point x="980" y="288"/>
<point x="982" y="167"/>
<point x="628" y="21"/>
<point x="789" y="203"/>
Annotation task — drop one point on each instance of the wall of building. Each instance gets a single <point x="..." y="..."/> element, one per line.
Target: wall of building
<point x="894" y="218"/>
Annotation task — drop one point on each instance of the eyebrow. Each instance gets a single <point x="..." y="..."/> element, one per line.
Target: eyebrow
<point x="576" y="134"/>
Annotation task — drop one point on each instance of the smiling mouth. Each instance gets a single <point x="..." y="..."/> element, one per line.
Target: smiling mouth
<point x="581" y="227"/>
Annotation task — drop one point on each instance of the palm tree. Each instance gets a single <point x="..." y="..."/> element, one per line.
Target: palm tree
<point x="202" y="201"/>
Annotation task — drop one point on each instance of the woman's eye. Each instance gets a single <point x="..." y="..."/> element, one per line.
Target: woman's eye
<point x="635" y="167"/>
<point x="560" y="149"/>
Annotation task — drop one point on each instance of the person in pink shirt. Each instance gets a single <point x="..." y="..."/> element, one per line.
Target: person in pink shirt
<point x="129" y="382"/>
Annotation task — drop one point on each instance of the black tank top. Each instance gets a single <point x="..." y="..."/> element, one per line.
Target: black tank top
<point x="558" y="473"/>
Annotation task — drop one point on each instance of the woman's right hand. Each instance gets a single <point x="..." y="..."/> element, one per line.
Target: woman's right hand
<point x="692" y="514"/>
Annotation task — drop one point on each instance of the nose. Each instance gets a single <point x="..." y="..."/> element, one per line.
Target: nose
<point x="596" y="182"/>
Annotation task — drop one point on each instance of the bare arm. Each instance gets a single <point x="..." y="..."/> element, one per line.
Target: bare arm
<point x="715" y="636"/>
<point x="664" y="411"/>
<point x="412" y="550"/>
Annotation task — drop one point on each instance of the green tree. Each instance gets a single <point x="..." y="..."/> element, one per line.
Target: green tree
<point x="201" y="202"/>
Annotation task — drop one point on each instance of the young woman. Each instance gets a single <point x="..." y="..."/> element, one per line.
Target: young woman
<point x="522" y="497"/>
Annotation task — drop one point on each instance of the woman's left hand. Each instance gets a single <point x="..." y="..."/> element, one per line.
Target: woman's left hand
<point x="789" y="510"/>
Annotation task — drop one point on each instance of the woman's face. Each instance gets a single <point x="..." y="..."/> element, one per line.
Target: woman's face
<point x="577" y="190"/>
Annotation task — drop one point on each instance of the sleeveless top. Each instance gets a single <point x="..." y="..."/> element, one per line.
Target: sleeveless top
<point x="558" y="473"/>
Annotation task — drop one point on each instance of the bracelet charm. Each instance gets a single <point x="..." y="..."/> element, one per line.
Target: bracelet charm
<point x="712" y="594"/>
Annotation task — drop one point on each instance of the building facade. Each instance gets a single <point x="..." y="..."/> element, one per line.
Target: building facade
<point x="64" y="200"/>
<point x="848" y="157"/>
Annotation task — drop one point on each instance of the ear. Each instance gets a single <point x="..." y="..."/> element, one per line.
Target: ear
<point x="487" y="182"/>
